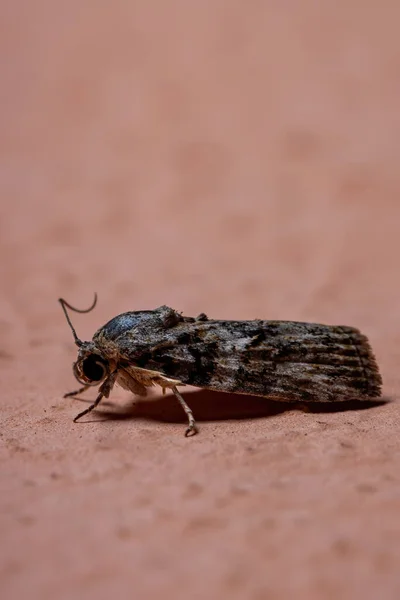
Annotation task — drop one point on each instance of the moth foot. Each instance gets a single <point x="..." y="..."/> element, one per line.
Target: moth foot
<point x="192" y="429"/>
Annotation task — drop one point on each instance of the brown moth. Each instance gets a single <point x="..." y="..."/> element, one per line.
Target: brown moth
<point x="282" y="360"/>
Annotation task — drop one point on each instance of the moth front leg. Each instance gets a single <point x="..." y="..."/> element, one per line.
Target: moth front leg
<point x="77" y="392"/>
<point x="104" y="392"/>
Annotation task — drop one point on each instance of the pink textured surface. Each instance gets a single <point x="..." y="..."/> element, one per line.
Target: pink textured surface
<point x="240" y="159"/>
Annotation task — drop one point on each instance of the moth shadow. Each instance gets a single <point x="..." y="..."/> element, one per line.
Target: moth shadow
<point x="344" y="405"/>
<point x="208" y="405"/>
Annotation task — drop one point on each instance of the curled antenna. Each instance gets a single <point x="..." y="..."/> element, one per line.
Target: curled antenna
<point x="65" y="305"/>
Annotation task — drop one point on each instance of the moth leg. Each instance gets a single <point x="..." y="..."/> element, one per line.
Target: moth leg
<point x="77" y="392"/>
<point x="192" y="429"/>
<point x="104" y="391"/>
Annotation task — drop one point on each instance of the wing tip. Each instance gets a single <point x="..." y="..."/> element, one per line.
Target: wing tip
<point x="369" y="364"/>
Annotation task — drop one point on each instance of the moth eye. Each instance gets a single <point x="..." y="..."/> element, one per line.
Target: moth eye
<point x="93" y="369"/>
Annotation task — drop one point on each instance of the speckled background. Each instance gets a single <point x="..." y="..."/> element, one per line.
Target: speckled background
<point x="240" y="159"/>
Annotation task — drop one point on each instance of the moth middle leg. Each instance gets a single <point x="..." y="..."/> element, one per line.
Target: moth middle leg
<point x="192" y="429"/>
<point x="148" y="378"/>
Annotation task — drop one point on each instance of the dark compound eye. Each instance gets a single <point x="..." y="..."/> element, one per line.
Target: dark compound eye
<point x="93" y="368"/>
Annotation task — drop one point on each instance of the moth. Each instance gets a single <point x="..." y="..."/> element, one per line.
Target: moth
<point x="281" y="360"/>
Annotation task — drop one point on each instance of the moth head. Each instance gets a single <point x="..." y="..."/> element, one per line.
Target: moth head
<point x="90" y="367"/>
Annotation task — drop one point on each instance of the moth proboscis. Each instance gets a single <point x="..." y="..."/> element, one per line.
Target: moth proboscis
<point x="281" y="360"/>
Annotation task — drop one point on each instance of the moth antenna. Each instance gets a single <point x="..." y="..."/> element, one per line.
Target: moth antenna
<point x="65" y="305"/>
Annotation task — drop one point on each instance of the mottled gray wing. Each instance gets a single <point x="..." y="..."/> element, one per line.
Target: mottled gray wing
<point x="284" y="360"/>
